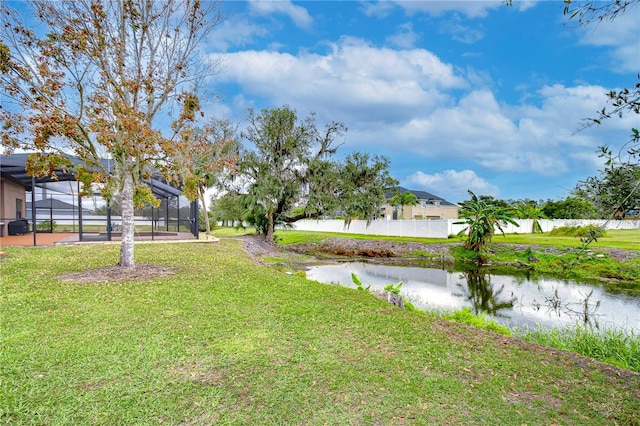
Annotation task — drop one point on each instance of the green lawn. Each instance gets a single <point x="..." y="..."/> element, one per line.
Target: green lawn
<point x="286" y="237"/>
<point x="628" y="239"/>
<point x="618" y="238"/>
<point x="226" y="341"/>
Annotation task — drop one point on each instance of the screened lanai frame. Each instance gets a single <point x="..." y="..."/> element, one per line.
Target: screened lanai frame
<point x="13" y="168"/>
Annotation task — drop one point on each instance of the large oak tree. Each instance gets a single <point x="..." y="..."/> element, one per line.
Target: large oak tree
<point x="293" y="174"/>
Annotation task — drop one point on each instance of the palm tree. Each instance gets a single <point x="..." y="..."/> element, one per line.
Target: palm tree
<point x="526" y="211"/>
<point x="483" y="296"/>
<point x="482" y="220"/>
<point x="402" y="199"/>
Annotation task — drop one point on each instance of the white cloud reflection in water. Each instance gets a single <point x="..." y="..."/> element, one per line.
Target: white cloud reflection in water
<point x="513" y="301"/>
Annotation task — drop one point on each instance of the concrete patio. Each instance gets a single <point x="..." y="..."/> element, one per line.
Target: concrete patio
<point x="44" y="239"/>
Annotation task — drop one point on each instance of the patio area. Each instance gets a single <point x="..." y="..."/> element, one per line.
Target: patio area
<point x="44" y="239"/>
<point x="59" y="203"/>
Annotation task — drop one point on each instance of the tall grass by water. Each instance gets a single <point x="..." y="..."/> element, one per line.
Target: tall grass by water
<point x="614" y="346"/>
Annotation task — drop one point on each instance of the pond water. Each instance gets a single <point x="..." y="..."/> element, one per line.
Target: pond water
<point x="512" y="301"/>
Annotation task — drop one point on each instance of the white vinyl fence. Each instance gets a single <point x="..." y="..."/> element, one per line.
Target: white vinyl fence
<point x="442" y="228"/>
<point x="89" y="220"/>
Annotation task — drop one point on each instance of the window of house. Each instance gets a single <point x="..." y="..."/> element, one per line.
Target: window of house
<point x="18" y="208"/>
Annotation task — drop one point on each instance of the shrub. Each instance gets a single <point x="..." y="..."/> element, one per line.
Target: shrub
<point x="201" y="222"/>
<point x="589" y="231"/>
<point x="568" y="231"/>
<point x="578" y="231"/>
<point x="47" y="225"/>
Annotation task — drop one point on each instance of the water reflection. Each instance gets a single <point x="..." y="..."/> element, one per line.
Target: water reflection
<point x="583" y="311"/>
<point x="513" y="301"/>
<point x="484" y="298"/>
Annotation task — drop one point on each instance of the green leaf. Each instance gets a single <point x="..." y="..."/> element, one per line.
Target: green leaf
<point x="356" y="280"/>
<point x="394" y="288"/>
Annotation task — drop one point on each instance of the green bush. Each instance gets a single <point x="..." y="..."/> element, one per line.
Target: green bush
<point x="567" y="231"/>
<point x="46" y="225"/>
<point x="589" y="231"/>
<point x="202" y="226"/>
<point x="578" y="231"/>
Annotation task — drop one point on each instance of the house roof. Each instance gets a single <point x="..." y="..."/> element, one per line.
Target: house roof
<point x="13" y="167"/>
<point x="422" y="195"/>
<point x="54" y="203"/>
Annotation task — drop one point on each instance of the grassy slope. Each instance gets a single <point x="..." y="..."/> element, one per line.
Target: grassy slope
<point x="227" y="341"/>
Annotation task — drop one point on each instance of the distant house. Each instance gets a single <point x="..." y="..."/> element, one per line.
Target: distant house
<point x="428" y="206"/>
<point x="54" y="207"/>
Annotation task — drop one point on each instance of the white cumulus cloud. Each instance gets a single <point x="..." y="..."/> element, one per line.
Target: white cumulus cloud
<point x="354" y="81"/>
<point x="405" y="37"/>
<point x="454" y="184"/>
<point x="409" y="101"/>
<point x="471" y="9"/>
<point x="622" y="35"/>
<point x="298" y="14"/>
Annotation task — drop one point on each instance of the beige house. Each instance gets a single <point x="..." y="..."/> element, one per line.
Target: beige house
<point x="12" y="203"/>
<point x="12" y="200"/>
<point x="428" y="206"/>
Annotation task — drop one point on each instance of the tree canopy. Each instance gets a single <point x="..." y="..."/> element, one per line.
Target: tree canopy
<point x="572" y="207"/>
<point x="615" y="192"/>
<point x="101" y="81"/>
<point x="202" y="156"/>
<point x="290" y="165"/>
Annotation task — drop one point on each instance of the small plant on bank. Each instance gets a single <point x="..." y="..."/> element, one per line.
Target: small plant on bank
<point x="393" y="293"/>
<point x="358" y="283"/>
<point x="588" y="234"/>
<point x="393" y="288"/>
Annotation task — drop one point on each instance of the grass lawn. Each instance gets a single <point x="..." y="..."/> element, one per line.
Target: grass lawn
<point x="226" y="341"/>
<point x="628" y="239"/>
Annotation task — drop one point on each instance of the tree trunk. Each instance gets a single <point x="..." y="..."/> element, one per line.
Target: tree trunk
<point x="128" y="229"/>
<point x="269" y="236"/>
<point x="206" y="214"/>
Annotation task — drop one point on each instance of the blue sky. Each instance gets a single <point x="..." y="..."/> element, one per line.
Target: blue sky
<point x="458" y="94"/>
